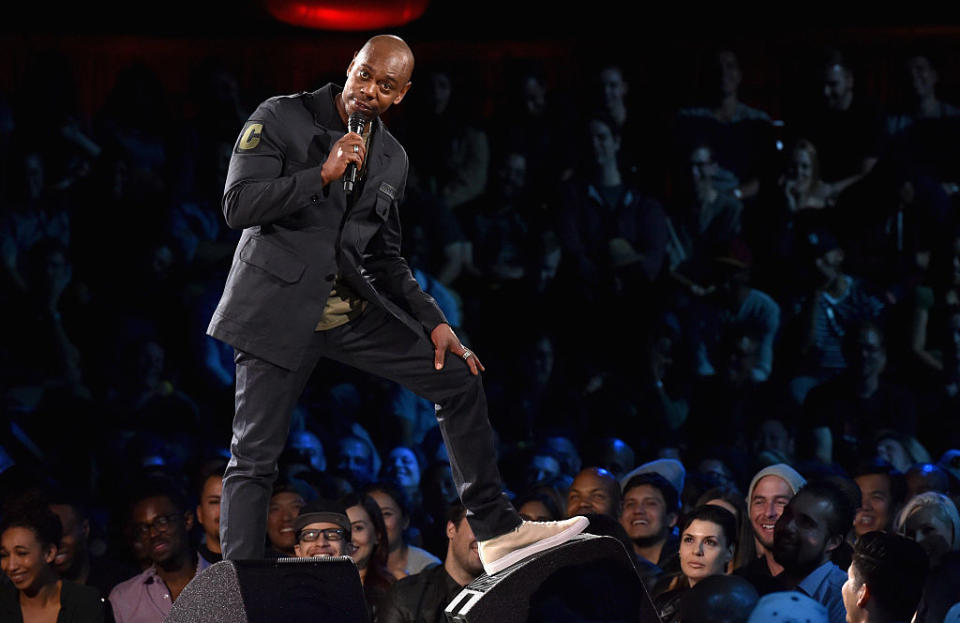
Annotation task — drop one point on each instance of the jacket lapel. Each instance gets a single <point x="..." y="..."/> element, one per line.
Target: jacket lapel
<point x="378" y="162"/>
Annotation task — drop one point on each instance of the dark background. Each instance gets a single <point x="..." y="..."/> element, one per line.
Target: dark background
<point x="661" y="46"/>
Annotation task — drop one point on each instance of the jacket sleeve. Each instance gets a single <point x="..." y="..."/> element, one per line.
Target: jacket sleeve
<point x="382" y="257"/>
<point x="256" y="191"/>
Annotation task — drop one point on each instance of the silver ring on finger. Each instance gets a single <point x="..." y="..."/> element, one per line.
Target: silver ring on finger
<point x="356" y="149"/>
<point x="467" y="355"/>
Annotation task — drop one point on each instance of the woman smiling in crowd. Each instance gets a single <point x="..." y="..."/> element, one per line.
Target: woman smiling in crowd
<point x="931" y="519"/>
<point x="404" y="559"/>
<point x="369" y="547"/>
<point x="28" y="546"/>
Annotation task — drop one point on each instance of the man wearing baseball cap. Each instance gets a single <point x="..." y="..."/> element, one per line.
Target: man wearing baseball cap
<point x="322" y="529"/>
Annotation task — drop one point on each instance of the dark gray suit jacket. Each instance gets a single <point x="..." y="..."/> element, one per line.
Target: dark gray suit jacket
<point x="297" y="234"/>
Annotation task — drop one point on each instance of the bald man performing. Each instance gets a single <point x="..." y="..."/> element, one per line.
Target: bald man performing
<point x="318" y="273"/>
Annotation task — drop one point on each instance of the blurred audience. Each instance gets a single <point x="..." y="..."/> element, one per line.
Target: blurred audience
<point x="739" y="285"/>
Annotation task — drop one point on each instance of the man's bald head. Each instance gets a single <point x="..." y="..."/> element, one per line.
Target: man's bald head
<point x="392" y="46"/>
<point x="594" y="490"/>
<point x="377" y="77"/>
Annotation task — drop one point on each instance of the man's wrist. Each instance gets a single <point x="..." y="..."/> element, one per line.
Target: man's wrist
<point x="325" y="177"/>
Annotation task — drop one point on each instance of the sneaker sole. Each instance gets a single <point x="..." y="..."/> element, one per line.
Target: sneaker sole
<point x="538" y="546"/>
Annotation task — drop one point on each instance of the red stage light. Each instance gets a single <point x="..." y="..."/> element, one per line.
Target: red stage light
<point x="347" y="14"/>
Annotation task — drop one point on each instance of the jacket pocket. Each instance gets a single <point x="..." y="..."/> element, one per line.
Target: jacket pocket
<point x="381" y="209"/>
<point x="276" y="260"/>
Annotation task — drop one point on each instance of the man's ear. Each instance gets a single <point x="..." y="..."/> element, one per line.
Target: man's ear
<point x="672" y="519"/>
<point x="188" y="520"/>
<point x="296" y="550"/>
<point x="863" y="596"/>
<point x="451" y="530"/>
<point x="834" y="542"/>
<point x="50" y="553"/>
<point x="352" y="60"/>
<point x="402" y="93"/>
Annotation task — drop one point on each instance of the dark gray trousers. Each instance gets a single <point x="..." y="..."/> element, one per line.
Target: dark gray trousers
<point x="378" y="343"/>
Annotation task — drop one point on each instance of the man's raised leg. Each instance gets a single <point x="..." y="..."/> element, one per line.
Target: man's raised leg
<point x="378" y="343"/>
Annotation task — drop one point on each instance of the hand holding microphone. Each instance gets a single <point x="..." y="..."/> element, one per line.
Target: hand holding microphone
<point x="347" y="155"/>
<point x="355" y="125"/>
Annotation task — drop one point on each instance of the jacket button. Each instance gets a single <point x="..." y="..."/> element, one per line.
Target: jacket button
<point x="315" y="199"/>
<point x="330" y="277"/>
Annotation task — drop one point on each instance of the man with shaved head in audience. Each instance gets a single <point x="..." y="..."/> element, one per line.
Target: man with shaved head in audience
<point x="594" y="490"/>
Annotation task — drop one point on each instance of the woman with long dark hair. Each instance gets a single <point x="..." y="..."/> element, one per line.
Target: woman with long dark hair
<point x="369" y="547"/>
<point x="404" y="558"/>
<point x="730" y="498"/>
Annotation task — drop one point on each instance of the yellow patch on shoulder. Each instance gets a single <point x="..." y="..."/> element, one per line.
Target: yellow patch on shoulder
<point x="250" y="137"/>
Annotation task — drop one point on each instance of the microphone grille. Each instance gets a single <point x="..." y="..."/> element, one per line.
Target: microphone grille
<point x="357" y="122"/>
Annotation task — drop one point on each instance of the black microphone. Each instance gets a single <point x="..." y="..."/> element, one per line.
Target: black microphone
<point x="356" y="123"/>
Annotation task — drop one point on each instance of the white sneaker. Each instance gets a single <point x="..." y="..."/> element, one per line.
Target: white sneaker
<point x="527" y="539"/>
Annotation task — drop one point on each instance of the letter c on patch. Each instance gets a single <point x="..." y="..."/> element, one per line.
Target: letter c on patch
<point x="250" y="137"/>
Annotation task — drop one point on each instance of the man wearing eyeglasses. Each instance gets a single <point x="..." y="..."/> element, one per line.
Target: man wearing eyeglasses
<point x="322" y="529"/>
<point x="162" y="521"/>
